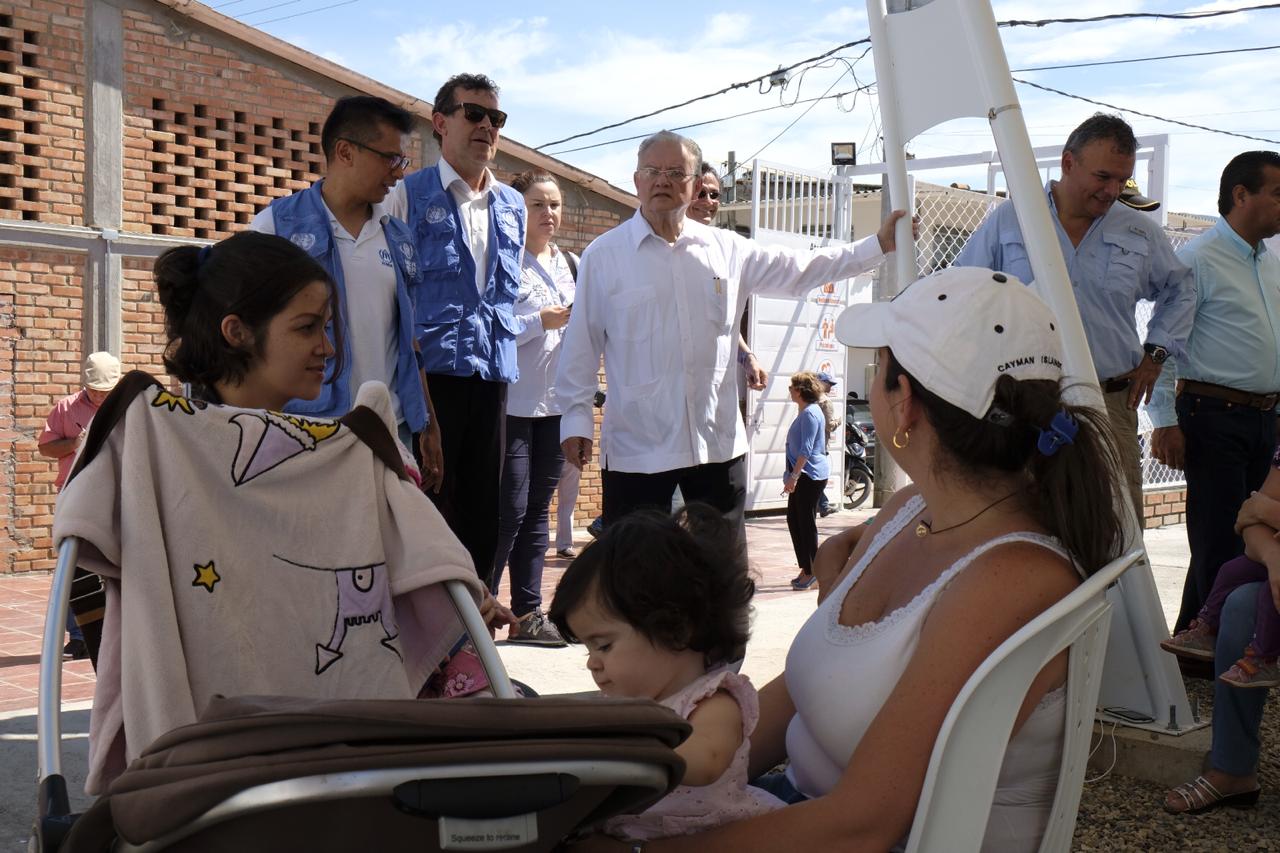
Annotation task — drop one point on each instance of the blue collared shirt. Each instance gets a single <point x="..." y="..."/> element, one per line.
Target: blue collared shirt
<point x="1123" y="257"/>
<point x="1235" y="339"/>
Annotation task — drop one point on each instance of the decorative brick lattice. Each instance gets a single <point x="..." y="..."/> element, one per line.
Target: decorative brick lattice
<point x="41" y="114"/>
<point x="208" y="172"/>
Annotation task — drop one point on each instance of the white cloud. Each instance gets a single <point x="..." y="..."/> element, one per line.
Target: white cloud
<point x="725" y="27"/>
<point x="582" y="67"/>
<point x="435" y="53"/>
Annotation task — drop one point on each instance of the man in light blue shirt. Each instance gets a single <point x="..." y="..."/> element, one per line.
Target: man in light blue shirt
<point x="1115" y="256"/>
<point x="1222" y="427"/>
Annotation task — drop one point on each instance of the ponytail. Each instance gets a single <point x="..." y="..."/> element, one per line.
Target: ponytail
<point x="1073" y="487"/>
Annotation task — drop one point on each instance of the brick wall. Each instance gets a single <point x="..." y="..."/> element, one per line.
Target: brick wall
<point x="41" y="111"/>
<point x="214" y="129"/>
<point x="40" y="309"/>
<point x="1166" y="506"/>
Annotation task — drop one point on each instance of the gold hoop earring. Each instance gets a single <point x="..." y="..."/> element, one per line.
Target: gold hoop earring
<point x="906" y="434"/>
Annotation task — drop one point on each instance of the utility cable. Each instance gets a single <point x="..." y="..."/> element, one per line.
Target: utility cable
<point x="307" y="12"/>
<point x="836" y="96"/>
<point x="745" y="160"/>
<point x="694" y="100"/>
<point x="1011" y="23"/>
<point x="1145" y="115"/>
<point x="268" y="8"/>
<point x="1148" y="58"/>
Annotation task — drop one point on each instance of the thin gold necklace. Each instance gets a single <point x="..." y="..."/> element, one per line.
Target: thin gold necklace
<point x="924" y="528"/>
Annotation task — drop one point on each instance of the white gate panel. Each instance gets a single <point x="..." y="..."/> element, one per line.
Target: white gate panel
<point x="790" y="335"/>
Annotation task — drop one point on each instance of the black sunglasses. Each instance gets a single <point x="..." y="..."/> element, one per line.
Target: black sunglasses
<point x="476" y="113"/>
<point x="714" y="195"/>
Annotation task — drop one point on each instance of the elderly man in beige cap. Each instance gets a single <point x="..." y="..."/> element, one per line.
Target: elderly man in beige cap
<point x="63" y="433"/>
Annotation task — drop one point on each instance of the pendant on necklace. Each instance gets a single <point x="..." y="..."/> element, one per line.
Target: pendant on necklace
<point x="922" y="529"/>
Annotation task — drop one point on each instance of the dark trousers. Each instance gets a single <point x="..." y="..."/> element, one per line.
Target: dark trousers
<point x="1229" y="450"/>
<point x="802" y="524"/>
<point x="472" y="416"/>
<point x="723" y="485"/>
<point x="530" y="473"/>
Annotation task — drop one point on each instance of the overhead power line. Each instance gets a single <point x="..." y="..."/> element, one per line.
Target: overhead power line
<point x="835" y="96"/>
<point x="1145" y="115"/>
<point x="301" y="14"/>
<point x="1004" y="24"/>
<point x="1148" y="58"/>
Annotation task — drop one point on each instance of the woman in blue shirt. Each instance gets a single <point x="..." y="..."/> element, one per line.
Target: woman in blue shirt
<point x="806" y="475"/>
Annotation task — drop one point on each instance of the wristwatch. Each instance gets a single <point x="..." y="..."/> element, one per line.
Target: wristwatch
<point x="1158" y="353"/>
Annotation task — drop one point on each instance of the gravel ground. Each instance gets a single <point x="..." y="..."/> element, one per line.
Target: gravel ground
<point x="1122" y="814"/>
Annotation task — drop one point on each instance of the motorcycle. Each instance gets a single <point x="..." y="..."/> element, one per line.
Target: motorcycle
<point x="858" y="476"/>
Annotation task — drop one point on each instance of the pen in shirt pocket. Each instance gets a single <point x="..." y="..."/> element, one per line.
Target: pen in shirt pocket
<point x="718" y="283"/>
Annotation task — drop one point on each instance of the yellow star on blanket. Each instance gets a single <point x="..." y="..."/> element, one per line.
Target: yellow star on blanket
<point x="206" y="576"/>
<point x="173" y="401"/>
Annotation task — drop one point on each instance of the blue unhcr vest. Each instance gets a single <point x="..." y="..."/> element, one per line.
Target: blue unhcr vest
<point x="458" y="332"/>
<point x="303" y="219"/>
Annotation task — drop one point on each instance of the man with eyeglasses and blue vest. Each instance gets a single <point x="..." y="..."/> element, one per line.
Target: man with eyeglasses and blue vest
<point x="469" y="231"/>
<point x="342" y="222"/>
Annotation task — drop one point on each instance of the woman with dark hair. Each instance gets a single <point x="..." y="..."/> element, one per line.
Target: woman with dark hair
<point x="1013" y="501"/>
<point x="248" y="320"/>
<point x="806" y="474"/>
<point x="533" y="459"/>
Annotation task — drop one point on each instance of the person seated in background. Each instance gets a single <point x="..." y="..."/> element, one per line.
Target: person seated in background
<point x="1013" y="500"/>
<point x="64" y="431"/>
<point x="1239" y="614"/>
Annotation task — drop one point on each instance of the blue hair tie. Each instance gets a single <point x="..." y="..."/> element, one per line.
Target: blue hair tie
<point x="203" y="255"/>
<point x="1062" y="430"/>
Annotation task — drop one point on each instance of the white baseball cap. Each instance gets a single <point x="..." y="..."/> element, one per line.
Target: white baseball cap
<point x="959" y="330"/>
<point x="101" y="371"/>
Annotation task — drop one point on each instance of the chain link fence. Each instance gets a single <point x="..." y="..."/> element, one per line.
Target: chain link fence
<point x="949" y="215"/>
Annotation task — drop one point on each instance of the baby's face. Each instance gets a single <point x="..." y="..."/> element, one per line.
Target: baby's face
<point x="624" y="662"/>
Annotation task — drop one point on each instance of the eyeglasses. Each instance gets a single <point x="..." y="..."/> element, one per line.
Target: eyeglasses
<point x="714" y="195"/>
<point x="476" y="113"/>
<point x="393" y="160"/>
<point x="670" y="174"/>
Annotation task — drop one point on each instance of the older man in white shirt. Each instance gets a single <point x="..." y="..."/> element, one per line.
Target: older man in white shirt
<point x="660" y="297"/>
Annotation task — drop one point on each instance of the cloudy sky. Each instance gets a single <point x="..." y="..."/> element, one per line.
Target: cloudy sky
<point x="566" y="67"/>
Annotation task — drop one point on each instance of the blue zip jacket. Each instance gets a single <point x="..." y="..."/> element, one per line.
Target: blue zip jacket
<point x="460" y="334"/>
<point x="304" y="219"/>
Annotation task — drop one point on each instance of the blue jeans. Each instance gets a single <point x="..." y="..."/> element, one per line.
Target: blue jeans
<point x="777" y="783"/>
<point x="1237" y="712"/>
<point x="530" y="472"/>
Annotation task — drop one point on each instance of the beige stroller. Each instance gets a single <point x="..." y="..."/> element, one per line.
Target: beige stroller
<point x="261" y="694"/>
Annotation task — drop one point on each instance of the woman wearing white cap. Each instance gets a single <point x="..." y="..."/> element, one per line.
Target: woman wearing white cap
<point x="1012" y="503"/>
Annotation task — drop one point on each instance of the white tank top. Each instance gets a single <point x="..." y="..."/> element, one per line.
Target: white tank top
<point x="839" y="677"/>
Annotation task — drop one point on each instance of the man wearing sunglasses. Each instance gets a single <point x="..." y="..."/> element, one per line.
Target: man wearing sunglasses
<point x="469" y="231"/>
<point x="660" y="296"/>
<point x="341" y="221"/>
<point x="705" y="206"/>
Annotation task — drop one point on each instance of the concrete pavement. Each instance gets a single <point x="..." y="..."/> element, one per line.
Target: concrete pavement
<point x="779" y="612"/>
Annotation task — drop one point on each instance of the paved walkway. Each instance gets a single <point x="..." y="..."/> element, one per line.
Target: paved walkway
<point x="779" y="611"/>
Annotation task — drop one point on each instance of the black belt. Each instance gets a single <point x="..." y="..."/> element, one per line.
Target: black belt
<point x="1111" y="386"/>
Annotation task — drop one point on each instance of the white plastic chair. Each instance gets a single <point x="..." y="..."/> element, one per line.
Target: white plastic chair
<point x="955" y="802"/>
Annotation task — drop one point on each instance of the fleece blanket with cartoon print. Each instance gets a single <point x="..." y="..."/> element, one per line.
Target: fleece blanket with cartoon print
<point x="253" y="552"/>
